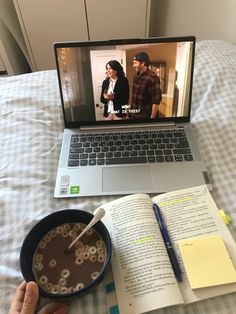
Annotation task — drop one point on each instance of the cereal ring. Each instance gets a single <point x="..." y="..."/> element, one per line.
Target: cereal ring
<point x="92" y="250"/>
<point x="65" y="273"/>
<point x="55" y="289"/>
<point x="64" y="290"/>
<point x="65" y="234"/>
<point x="80" y="286"/>
<point x="72" y="233"/>
<point x="49" y="286"/>
<point x="79" y="260"/>
<point x="59" y="229"/>
<point x="62" y="282"/>
<point x="99" y="243"/>
<point x="52" y="263"/>
<point x="78" y="252"/>
<point x="86" y="255"/>
<point x="38" y="257"/>
<point x="89" y="232"/>
<point x="79" y="244"/>
<point x="66" y="227"/>
<point x="43" y="279"/>
<point x="42" y="244"/>
<point x="47" y="238"/>
<point x="52" y="233"/>
<point x="38" y="266"/>
<point x="101" y="258"/>
<point x="71" y="290"/>
<point x="77" y="227"/>
<point x="85" y="248"/>
<point x="93" y="258"/>
<point x="94" y="275"/>
<point x="100" y="250"/>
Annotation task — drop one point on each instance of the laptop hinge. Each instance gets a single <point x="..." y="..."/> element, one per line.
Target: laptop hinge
<point x="130" y="126"/>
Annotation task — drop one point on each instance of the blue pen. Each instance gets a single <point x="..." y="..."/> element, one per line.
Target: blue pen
<point x="169" y="247"/>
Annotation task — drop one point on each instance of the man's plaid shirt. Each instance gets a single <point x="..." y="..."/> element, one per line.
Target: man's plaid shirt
<point x="146" y="92"/>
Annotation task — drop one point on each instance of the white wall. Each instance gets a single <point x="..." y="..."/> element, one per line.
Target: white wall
<point x="206" y="19"/>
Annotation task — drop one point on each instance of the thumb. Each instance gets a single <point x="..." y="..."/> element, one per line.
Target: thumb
<point x="31" y="298"/>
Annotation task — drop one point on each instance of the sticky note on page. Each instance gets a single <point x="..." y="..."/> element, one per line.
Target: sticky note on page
<point x="207" y="261"/>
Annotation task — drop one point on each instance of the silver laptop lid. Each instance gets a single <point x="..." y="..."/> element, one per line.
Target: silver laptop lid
<point x="85" y="81"/>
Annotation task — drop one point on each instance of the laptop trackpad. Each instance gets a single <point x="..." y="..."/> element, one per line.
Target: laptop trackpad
<point x="127" y="178"/>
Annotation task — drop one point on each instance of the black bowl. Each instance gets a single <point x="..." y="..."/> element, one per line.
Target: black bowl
<point x="42" y="228"/>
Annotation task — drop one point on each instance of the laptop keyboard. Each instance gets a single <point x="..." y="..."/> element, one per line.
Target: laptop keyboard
<point x="129" y="147"/>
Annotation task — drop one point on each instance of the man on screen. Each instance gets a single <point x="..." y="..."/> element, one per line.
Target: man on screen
<point x="146" y="92"/>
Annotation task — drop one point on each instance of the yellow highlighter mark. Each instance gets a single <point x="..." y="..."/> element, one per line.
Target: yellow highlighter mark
<point x="146" y="239"/>
<point x="226" y="217"/>
<point x="181" y="200"/>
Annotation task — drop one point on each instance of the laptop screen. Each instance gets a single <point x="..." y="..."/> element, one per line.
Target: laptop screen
<point x="125" y="81"/>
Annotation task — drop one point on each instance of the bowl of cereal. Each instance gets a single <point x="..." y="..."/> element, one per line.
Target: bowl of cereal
<point x="59" y="275"/>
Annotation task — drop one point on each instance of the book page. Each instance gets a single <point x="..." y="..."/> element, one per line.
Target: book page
<point x="191" y="213"/>
<point x="141" y="268"/>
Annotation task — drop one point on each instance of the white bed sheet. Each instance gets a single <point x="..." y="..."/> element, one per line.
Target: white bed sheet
<point x="31" y="126"/>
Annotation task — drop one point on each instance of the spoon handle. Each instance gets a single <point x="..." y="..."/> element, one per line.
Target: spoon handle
<point x="98" y="216"/>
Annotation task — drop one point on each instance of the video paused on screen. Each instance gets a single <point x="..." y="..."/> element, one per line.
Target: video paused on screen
<point x="125" y="82"/>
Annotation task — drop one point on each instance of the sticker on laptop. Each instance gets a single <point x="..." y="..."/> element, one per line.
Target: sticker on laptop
<point x="64" y="190"/>
<point x="65" y="180"/>
<point x="74" y="189"/>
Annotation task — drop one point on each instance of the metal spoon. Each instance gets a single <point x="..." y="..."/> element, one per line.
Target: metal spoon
<point x="98" y="216"/>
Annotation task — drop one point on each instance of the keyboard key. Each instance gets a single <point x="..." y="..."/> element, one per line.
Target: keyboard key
<point x="92" y="162"/>
<point x="74" y="156"/>
<point x="182" y="145"/>
<point x="74" y="151"/>
<point x="75" y="145"/>
<point x="180" y="134"/>
<point x="83" y="162"/>
<point x="104" y="149"/>
<point x="101" y="155"/>
<point x="100" y="161"/>
<point x="178" y="158"/>
<point x="169" y="158"/>
<point x="188" y="157"/>
<point x="109" y="154"/>
<point x="125" y="160"/>
<point x="167" y="152"/>
<point x="88" y="150"/>
<point x="73" y="163"/>
<point x="180" y="151"/>
<point x="125" y="154"/>
<point x="92" y="155"/>
<point x="158" y="152"/>
<point x="151" y="159"/>
<point x="133" y="153"/>
<point x="142" y="153"/>
<point x="83" y="156"/>
<point x="96" y="149"/>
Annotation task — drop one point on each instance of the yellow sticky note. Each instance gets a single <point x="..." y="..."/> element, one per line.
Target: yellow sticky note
<point x="207" y="261"/>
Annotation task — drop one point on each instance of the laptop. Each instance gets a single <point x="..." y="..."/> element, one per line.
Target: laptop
<point x="122" y="134"/>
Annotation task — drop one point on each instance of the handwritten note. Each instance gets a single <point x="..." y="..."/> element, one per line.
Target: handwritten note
<point x="207" y="261"/>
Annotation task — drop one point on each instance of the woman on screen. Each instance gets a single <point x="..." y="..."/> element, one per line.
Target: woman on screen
<point x="115" y="92"/>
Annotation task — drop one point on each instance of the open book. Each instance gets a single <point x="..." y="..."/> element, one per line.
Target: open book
<point x="143" y="276"/>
